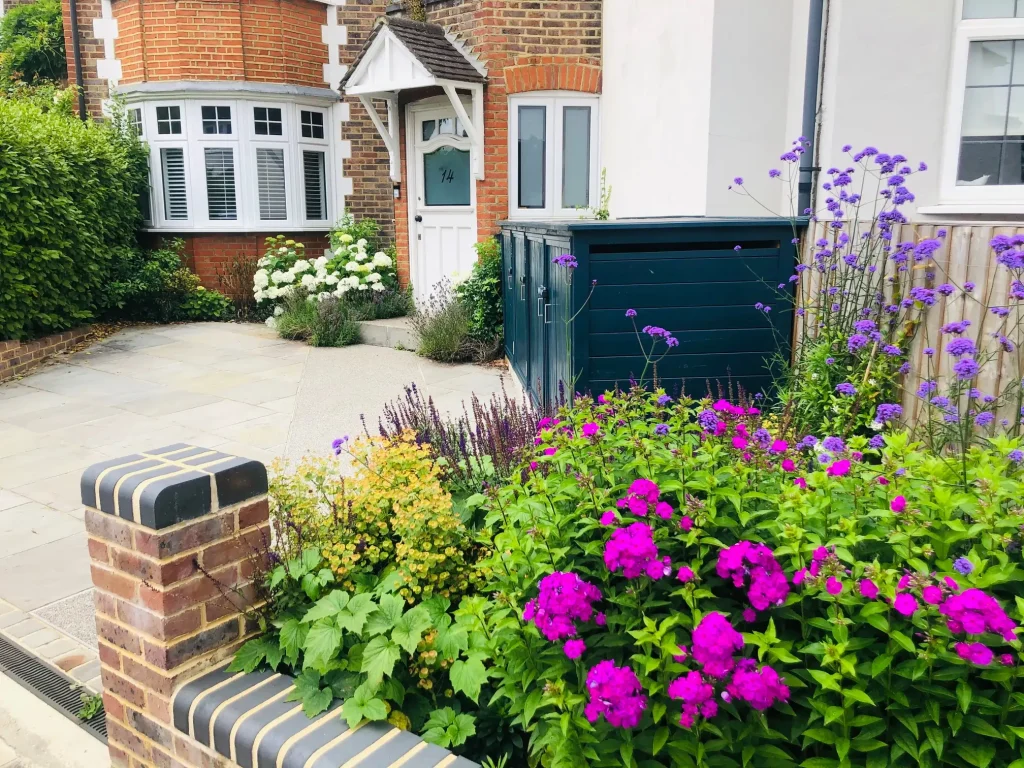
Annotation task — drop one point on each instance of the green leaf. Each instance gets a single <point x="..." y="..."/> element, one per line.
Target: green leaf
<point x="982" y="728"/>
<point x="354" y="616"/>
<point x="842" y="747"/>
<point x="824" y="679"/>
<point x="819" y="762"/>
<point x="530" y="706"/>
<point x="832" y="714"/>
<point x="978" y="755"/>
<point x="293" y="635"/>
<point x="963" y="696"/>
<point x="863" y="744"/>
<point x="451" y="640"/>
<point x="249" y="656"/>
<point x="880" y="664"/>
<point x="660" y="737"/>
<point x="315" y="699"/>
<point x="447" y="729"/>
<point x="903" y="640"/>
<point x="389" y="610"/>
<point x="363" y="704"/>
<point x="317" y="702"/>
<point x="468" y="676"/>
<point x="905" y="743"/>
<point x="275" y="653"/>
<point x="937" y="738"/>
<point x="322" y="643"/>
<point x="379" y="659"/>
<point x="824" y="735"/>
<point x="856" y="694"/>
<point x="327" y="606"/>
<point x="409" y="629"/>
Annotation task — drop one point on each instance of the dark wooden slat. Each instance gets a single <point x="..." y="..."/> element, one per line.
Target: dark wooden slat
<point x="702" y="365"/>
<point x="694" y="387"/>
<point x="723" y="294"/>
<point x="712" y="251"/>
<point x="690" y="342"/>
<point x="644" y="271"/>
<point x="689" y="318"/>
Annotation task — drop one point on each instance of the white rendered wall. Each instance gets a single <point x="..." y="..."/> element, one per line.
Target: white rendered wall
<point x="655" y="105"/>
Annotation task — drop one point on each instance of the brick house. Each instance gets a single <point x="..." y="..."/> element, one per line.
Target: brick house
<point x="251" y="132"/>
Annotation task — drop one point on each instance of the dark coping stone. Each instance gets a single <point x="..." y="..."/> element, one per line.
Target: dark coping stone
<point x="237" y="709"/>
<point x="275" y="738"/>
<point x="181" y="453"/>
<point x="428" y="757"/>
<point x="204" y="710"/>
<point x="197" y="460"/>
<point x="105" y="502"/>
<point x="461" y="762"/>
<point x="88" y="482"/>
<point x="185" y="695"/>
<point x="251" y="727"/>
<point x="127" y="488"/>
<point x="239" y="480"/>
<point x="175" y="499"/>
<point x="169" y="449"/>
<point x="304" y="748"/>
<point x="353" y="745"/>
<point x="391" y="751"/>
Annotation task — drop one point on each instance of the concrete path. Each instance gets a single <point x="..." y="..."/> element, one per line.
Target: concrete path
<point x="238" y="388"/>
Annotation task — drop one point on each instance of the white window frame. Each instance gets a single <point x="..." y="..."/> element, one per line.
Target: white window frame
<point x="555" y="102"/>
<point x="244" y="142"/>
<point x="954" y="198"/>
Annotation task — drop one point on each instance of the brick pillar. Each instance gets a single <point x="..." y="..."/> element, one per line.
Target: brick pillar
<point x="158" y="520"/>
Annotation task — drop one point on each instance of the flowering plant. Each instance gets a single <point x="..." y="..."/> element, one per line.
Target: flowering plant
<point x="674" y="584"/>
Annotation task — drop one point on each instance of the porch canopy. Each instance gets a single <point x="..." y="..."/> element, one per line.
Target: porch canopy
<point x="402" y="54"/>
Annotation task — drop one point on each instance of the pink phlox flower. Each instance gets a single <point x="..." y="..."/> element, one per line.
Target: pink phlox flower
<point x="615" y="694"/>
<point x="976" y="612"/>
<point x="905" y="604"/>
<point x="903" y="582"/>
<point x="633" y="551"/>
<point x="951" y="583"/>
<point x="833" y="586"/>
<point x="590" y="429"/>
<point x="574" y="648"/>
<point x="686" y="523"/>
<point x="608" y="518"/>
<point x="898" y="504"/>
<point x="747" y="563"/>
<point x="868" y="589"/>
<point x="788" y="465"/>
<point x="838" y="468"/>
<point x="749" y="615"/>
<point x="800" y="576"/>
<point x="563" y="600"/>
<point x="698" y="697"/>
<point x="779" y="446"/>
<point x="641" y="496"/>
<point x="601" y="620"/>
<point x="683" y="655"/>
<point x="820" y="554"/>
<point x="663" y="510"/>
<point x="882" y="480"/>
<point x="715" y="644"/>
<point x="550" y="451"/>
<point x="978" y="654"/>
<point x="720" y="428"/>
<point x="799" y="482"/>
<point x="685" y="574"/>
<point x="760" y="688"/>
<point x="1006" y="660"/>
<point x="932" y="595"/>
<point x="739" y="443"/>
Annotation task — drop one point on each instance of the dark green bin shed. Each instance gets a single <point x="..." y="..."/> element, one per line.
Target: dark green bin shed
<point x="682" y="274"/>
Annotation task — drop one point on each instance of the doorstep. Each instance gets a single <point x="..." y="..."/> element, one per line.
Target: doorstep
<point x="396" y="333"/>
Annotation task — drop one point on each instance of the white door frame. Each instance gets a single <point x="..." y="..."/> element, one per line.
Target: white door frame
<point x="413" y="178"/>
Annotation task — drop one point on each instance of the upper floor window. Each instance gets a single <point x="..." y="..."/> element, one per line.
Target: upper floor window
<point x="553" y="153"/>
<point x="312" y="124"/>
<point x="135" y="121"/>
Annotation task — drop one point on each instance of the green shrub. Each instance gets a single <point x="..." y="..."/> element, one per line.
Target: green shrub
<point x="442" y="325"/>
<point x="32" y="43"/>
<point x="68" y="211"/>
<point x="155" y="286"/>
<point x="323" y="323"/>
<point x="482" y="295"/>
<point x="383" y="305"/>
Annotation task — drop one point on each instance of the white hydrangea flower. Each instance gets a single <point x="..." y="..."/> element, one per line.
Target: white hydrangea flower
<point x="300" y="266"/>
<point x="320" y="263"/>
<point x="352" y="266"/>
<point x="341" y="290"/>
<point x="331" y="280"/>
<point x="352" y="281"/>
<point x="377" y="287"/>
<point x="363" y="287"/>
<point x="346" y="238"/>
<point x="381" y="259"/>
<point x="373" y="277"/>
<point x="277" y="277"/>
<point x="271" y="322"/>
<point x="338" y="251"/>
<point x="278" y="310"/>
<point x="323" y="296"/>
<point x="308" y="281"/>
<point x="311" y="298"/>
<point x="282" y="249"/>
<point x="361" y="242"/>
<point x="273" y="293"/>
<point x="261" y="279"/>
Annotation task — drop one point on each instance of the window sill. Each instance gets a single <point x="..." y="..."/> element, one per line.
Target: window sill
<point x="244" y="230"/>
<point x="981" y="208"/>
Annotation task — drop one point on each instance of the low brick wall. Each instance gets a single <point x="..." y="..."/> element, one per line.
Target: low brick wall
<point x="18" y="357"/>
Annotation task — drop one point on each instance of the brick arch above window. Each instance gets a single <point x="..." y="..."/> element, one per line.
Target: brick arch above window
<point x="553" y="76"/>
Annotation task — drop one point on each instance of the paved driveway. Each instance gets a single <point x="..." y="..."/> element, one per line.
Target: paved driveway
<point x="237" y="388"/>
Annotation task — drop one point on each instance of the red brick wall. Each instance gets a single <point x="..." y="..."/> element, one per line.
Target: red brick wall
<point x="18" y="357"/>
<point x="526" y="46"/>
<point x="209" y="255"/>
<point x="91" y="51"/>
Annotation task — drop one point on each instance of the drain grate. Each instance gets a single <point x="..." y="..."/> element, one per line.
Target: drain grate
<point x="53" y="687"/>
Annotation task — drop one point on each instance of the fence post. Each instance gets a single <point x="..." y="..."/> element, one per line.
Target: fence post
<point x="174" y="536"/>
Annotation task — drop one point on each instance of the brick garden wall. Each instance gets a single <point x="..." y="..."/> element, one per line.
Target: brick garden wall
<point x="18" y="357"/>
<point x="92" y="51"/>
<point x="526" y="45"/>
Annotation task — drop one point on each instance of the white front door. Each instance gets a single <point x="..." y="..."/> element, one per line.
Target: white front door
<point x="442" y="211"/>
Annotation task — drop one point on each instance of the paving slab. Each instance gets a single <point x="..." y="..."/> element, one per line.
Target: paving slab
<point x="38" y="576"/>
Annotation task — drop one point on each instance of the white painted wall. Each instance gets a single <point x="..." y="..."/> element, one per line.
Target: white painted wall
<point x="655" y="105"/>
<point x="756" y="96"/>
<point x="886" y="82"/>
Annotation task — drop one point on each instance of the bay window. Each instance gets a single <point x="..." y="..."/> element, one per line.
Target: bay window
<point x="552" y="154"/>
<point x="236" y="164"/>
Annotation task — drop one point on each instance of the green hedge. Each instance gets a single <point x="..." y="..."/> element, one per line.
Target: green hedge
<point x="68" y="207"/>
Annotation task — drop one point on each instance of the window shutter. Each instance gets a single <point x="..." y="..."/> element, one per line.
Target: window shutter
<point x="172" y="162"/>
<point x="315" y="181"/>
<point x="220" y="184"/>
<point x="270" y="181"/>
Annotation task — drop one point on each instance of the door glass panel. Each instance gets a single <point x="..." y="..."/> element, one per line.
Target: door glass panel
<point x="428" y="128"/>
<point x="445" y="126"/>
<point x="576" y="157"/>
<point x="532" y="122"/>
<point x="446" y="177"/>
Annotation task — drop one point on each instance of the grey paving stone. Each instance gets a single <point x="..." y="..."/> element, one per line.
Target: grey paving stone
<point x="36" y="640"/>
<point x="25" y="627"/>
<point x="87" y="671"/>
<point x="12" y="617"/>
<point x="52" y="571"/>
<point x="58" y="647"/>
<point x="31" y="525"/>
